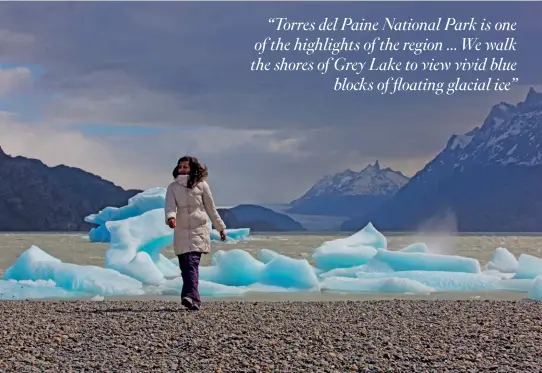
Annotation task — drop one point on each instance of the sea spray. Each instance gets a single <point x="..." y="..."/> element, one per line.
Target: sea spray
<point x="439" y="233"/>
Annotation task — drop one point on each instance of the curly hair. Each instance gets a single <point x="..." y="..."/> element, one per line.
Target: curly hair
<point x="198" y="171"/>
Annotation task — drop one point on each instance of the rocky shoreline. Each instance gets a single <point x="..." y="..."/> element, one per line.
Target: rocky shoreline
<point x="341" y="336"/>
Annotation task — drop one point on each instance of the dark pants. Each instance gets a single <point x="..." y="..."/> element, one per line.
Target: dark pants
<point x="189" y="264"/>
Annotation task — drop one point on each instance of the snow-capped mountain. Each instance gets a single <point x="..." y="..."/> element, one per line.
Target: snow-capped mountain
<point x="489" y="177"/>
<point x="511" y="134"/>
<point x="372" y="180"/>
<point x="350" y="192"/>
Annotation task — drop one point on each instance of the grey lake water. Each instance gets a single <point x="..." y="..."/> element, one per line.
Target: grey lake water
<point x="75" y="248"/>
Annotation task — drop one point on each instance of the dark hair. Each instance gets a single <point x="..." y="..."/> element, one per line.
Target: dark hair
<point x="198" y="172"/>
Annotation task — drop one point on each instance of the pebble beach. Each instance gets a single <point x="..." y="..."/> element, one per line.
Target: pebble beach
<point x="231" y="336"/>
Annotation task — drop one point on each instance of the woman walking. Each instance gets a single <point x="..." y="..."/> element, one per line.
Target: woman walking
<point x="188" y="202"/>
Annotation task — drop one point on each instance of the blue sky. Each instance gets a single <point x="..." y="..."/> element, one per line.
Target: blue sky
<point x="124" y="89"/>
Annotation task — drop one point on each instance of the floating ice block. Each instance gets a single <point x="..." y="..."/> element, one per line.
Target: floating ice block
<point x="442" y="281"/>
<point x="535" y="292"/>
<point x="418" y="247"/>
<point x="35" y="264"/>
<point x="529" y="266"/>
<point x="379" y="285"/>
<point x="518" y="285"/>
<point x="25" y="289"/>
<point x="147" y="200"/>
<point x="503" y="260"/>
<point x="401" y="261"/>
<point x="234" y="268"/>
<point x="136" y="244"/>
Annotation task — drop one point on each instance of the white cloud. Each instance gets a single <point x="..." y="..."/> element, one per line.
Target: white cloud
<point x="14" y="80"/>
<point x="54" y="147"/>
<point x="15" y="38"/>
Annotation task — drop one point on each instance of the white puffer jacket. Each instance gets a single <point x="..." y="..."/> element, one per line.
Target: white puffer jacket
<point x="190" y="208"/>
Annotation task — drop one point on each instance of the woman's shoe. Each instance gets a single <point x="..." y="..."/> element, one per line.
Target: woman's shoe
<point x="187" y="302"/>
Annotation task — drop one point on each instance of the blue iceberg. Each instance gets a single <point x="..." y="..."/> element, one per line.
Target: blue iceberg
<point x="503" y="261"/>
<point x="40" y="289"/>
<point x="147" y="200"/>
<point x="442" y="281"/>
<point x="34" y="264"/>
<point x="378" y="285"/>
<point x="529" y="267"/>
<point x="141" y="203"/>
<point x="535" y="291"/>
<point x="417" y="261"/>
<point x="351" y="251"/>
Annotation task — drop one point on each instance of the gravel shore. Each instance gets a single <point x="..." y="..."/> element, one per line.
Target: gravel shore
<point x="351" y="336"/>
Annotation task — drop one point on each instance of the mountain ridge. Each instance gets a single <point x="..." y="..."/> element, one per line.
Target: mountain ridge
<point x="348" y="192"/>
<point x="36" y="197"/>
<point x="501" y="159"/>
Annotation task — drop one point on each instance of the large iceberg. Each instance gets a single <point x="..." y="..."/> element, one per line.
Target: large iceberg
<point x="361" y="263"/>
<point x="34" y="264"/>
<point x="141" y="203"/>
<point x="147" y="200"/>
<point x="135" y="246"/>
<point x="354" y="250"/>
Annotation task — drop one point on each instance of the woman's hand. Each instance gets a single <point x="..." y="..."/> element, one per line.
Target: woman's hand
<point x="172" y="223"/>
<point x="223" y="235"/>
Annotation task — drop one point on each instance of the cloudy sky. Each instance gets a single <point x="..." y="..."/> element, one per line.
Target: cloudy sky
<point x="124" y="89"/>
